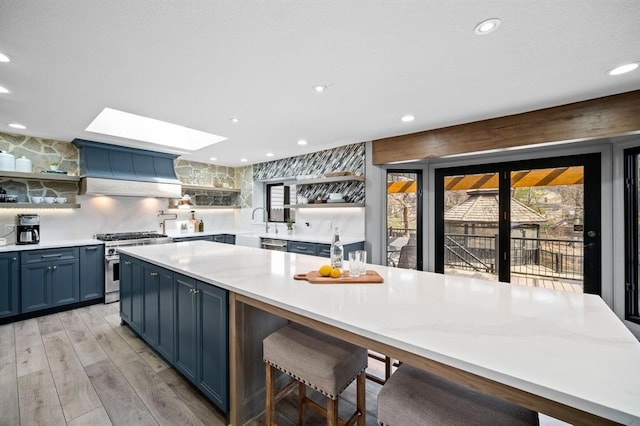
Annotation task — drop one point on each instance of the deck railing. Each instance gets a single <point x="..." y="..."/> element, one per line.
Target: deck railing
<point x="540" y="257"/>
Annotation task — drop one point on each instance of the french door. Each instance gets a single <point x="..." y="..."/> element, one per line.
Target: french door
<point x="534" y="222"/>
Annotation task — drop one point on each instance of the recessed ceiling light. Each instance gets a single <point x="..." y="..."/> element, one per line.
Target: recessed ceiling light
<point x="407" y="118"/>
<point x="234" y="119"/>
<point x="302" y="142"/>
<point x="17" y="126"/>
<point x="212" y="158"/>
<point x="244" y="160"/>
<point x="131" y="126"/>
<point x="622" y="69"/>
<point x="487" y="26"/>
<point x="269" y="154"/>
<point x="4" y="58"/>
<point x="4" y="90"/>
<point x="319" y="88"/>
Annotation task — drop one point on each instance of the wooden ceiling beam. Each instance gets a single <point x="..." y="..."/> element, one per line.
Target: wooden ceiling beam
<point x="610" y="116"/>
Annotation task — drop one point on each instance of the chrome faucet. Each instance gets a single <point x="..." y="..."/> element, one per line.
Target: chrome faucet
<point x="163" y="223"/>
<point x="265" y="217"/>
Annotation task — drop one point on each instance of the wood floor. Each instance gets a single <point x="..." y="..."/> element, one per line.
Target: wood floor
<point x="81" y="367"/>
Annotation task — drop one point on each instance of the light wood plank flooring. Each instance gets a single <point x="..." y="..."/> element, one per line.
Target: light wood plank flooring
<point x="81" y="367"/>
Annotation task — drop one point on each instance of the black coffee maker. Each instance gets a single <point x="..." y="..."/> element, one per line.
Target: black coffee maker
<point x="27" y="229"/>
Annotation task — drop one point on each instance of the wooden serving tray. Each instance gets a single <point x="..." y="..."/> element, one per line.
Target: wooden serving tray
<point x="314" y="277"/>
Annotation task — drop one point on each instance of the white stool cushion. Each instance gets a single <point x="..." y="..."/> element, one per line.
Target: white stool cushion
<point x="416" y="397"/>
<point x="322" y="362"/>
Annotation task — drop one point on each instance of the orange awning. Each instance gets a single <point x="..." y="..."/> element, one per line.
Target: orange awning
<point x="525" y="178"/>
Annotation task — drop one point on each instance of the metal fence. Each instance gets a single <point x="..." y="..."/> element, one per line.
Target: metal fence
<point x="540" y="257"/>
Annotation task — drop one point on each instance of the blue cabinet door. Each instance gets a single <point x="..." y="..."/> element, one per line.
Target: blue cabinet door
<point x="186" y="348"/>
<point x="35" y="289"/>
<point x="126" y="281"/>
<point x="166" y="314"/>
<point x="65" y="282"/>
<point x="150" y="292"/>
<point x="213" y="343"/>
<point x="9" y="284"/>
<point x="91" y="272"/>
<point x="131" y="292"/>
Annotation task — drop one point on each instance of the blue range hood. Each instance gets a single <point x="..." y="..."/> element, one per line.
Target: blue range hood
<point x="115" y="170"/>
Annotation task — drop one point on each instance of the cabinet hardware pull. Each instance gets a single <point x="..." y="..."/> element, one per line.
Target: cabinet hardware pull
<point x="91" y="248"/>
<point x="45" y="256"/>
<point x="55" y="267"/>
<point x="14" y="258"/>
<point x="196" y="291"/>
<point x="126" y="262"/>
<point x="154" y="274"/>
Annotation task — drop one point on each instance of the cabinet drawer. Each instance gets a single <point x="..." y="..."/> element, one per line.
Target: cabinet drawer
<point x="302" y="248"/>
<point x="48" y="255"/>
<point x="219" y="238"/>
<point x="324" y="250"/>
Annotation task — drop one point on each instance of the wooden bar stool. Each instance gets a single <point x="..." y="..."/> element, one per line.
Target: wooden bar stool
<point x="321" y="362"/>
<point x="416" y="397"/>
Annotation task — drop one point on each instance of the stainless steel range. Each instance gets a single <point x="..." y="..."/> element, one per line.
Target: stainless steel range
<point x="112" y="258"/>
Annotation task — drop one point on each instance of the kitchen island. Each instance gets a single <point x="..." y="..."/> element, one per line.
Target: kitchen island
<point x="566" y="355"/>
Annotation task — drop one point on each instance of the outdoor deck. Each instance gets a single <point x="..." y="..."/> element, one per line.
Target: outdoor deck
<point x="521" y="279"/>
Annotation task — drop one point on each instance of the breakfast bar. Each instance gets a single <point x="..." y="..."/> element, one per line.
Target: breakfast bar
<point x="566" y="355"/>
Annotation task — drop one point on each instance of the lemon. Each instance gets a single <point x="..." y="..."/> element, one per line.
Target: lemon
<point x="335" y="273"/>
<point x="325" y="270"/>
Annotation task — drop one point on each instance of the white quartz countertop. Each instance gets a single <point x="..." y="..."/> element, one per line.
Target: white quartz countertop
<point x="570" y="348"/>
<point x="49" y="244"/>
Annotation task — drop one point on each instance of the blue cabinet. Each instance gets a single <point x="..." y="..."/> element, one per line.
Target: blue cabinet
<point x="91" y="272"/>
<point x="183" y="319"/>
<point x="218" y="238"/>
<point x="225" y="238"/>
<point x="186" y="320"/>
<point x="322" y="250"/>
<point x="193" y="238"/>
<point x="49" y="278"/>
<point x="301" y="247"/>
<point x="158" y="309"/>
<point x="201" y="337"/>
<point x="9" y="284"/>
<point x="131" y="291"/>
<point x="212" y="326"/>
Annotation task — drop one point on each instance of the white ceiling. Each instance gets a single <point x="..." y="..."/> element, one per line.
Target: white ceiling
<point x="199" y="62"/>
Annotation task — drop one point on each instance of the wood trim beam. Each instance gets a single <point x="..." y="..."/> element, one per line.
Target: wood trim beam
<point x="517" y="396"/>
<point x="606" y="117"/>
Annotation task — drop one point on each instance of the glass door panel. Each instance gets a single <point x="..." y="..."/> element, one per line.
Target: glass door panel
<point x="547" y="224"/>
<point x="471" y="212"/>
<point x="404" y="219"/>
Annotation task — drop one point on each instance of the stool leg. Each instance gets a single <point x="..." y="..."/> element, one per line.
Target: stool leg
<point x="269" y="409"/>
<point x="388" y="362"/>
<point x="361" y="398"/>
<point x="302" y="394"/>
<point x="332" y="412"/>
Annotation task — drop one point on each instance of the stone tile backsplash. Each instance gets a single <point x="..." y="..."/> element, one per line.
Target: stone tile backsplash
<point x="41" y="152"/>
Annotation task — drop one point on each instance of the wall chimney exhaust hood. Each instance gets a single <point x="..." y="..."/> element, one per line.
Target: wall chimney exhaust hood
<point x="115" y="170"/>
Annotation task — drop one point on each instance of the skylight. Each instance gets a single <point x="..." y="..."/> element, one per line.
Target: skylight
<point x="131" y="126"/>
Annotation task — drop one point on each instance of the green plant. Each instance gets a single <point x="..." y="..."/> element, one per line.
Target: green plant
<point x="290" y="223"/>
<point x="54" y="163"/>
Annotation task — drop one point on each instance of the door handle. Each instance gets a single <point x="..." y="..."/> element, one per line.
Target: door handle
<point x="55" y="267"/>
<point x="126" y="262"/>
<point x="47" y="256"/>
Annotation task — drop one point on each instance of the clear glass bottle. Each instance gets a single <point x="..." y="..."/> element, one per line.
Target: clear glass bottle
<point x="337" y="252"/>
<point x="192" y="225"/>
